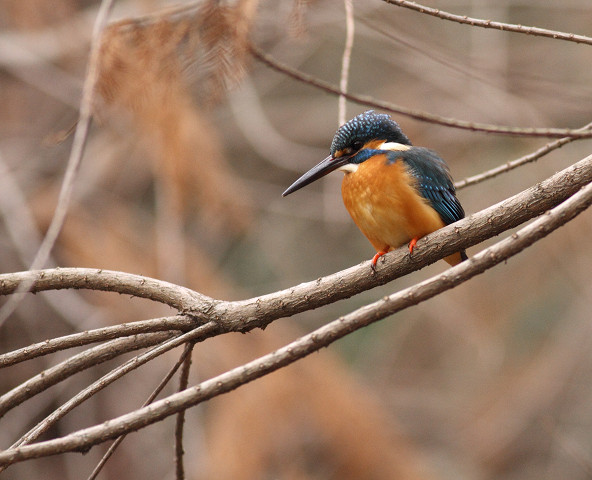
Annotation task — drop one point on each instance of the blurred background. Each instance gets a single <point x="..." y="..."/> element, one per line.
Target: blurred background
<point x="193" y="143"/>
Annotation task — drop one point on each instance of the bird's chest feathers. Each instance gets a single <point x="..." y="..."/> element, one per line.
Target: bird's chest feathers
<point x="383" y="201"/>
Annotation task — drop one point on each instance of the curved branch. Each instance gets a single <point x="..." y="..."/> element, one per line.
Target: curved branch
<point x="477" y="22"/>
<point x="417" y="114"/>
<point x="82" y="440"/>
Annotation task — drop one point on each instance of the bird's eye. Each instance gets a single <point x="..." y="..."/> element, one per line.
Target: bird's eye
<point x="355" y="146"/>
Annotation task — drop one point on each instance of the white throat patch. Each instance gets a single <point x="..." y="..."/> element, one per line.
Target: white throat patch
<point x="348" y="168"/>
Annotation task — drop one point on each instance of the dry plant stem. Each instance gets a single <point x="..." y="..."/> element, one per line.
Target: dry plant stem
<point x="180" y="422"/>
<point x="511" y="165"/>
<point x="418" y="115"/>
<point x="322" y="337"/>
<point x="79" y="142"/>
<point x="477" y="22"/>
<point x="77" y="363"/>
<point x="178" y="322"/>
<point x="195" y="335"/>
<point x="258" y="312"/>
<point x="186" y="354"/>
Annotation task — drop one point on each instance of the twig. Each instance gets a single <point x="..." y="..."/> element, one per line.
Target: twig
<point x="186" y="353"/>
<point x="322" y="337"/>
<point x="477" y="22"/>
<point x="79" y="142"/>
<point x="417" y="114"/>
<point x="180" y="422"/>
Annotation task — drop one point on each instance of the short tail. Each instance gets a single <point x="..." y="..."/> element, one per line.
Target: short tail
<point x="456" y="258"/>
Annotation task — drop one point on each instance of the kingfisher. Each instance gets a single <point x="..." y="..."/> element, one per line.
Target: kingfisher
<point x="395" y="192"/>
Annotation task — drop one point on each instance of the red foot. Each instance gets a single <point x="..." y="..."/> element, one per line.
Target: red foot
<point x="376" y="257"/>
<point x="412" y="245"/>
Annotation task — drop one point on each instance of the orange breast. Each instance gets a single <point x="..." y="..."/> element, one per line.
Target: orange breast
<point x="385" y="205"/>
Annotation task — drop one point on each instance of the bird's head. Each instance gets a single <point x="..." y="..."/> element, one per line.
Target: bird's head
<point x="355" y="142"/>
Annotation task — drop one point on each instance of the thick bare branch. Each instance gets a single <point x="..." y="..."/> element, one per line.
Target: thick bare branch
<point x="228" y="381"/>
<point x="477" y="22"/>
<point x="257" y="312"/>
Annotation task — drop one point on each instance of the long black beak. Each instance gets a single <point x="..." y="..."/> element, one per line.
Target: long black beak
<point x="323" y="168"/>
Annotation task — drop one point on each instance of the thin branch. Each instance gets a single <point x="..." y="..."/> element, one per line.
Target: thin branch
<point x="191" y="337"/>
<point x="511" y="165"/>
<point x="178" y="322"/>
<point x="346" y="58"/>
<point x="77" y="363"/>
<point x="180" y="422"/>
<point x="186" y="354"/>
<point x="79" y="142"/>
<point x="477" y="22"/>
<point x="322" y="337"/>
<point x="417" y="114"/>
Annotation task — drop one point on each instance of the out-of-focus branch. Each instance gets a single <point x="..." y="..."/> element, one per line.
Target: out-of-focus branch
<point x="346" y="58"/>
<point x="76" y="153"/>
<point x="477" y="22"/>
<point x="417" y="114"/>
<point x="322" y="337"/>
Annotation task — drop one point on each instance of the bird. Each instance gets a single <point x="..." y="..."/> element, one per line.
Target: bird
<point x="394" y="191"/>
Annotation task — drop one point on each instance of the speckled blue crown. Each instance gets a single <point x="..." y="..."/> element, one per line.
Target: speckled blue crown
<point x="365" y="127"/>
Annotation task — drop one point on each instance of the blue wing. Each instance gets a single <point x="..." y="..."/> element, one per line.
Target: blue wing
<point x="433" y="180"/>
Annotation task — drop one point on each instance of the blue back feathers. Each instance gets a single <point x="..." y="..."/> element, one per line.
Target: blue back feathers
<point x="365" y="127"/>
<point x="433" y="180"/>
